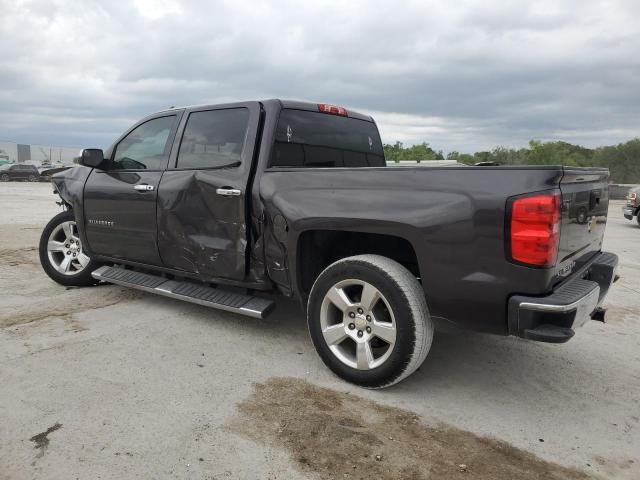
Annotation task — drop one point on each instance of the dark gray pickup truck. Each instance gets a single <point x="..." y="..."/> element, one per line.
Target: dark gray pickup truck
<point x="225" y="205"/>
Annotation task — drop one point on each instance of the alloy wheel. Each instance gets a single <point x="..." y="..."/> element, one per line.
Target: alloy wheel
<point x="64" y="249"/>
<point x="358" y="324"/>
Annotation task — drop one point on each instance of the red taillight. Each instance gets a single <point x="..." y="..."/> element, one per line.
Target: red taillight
<point x="332" y="109"/>
<point x="535" y="229"/>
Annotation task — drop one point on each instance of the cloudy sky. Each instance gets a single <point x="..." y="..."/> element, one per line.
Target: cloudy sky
<point x="463" y="75"/>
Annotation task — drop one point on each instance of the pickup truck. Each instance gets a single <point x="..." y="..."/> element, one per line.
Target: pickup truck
<point x="228" y="205"/>
<point x="632" y="207"/>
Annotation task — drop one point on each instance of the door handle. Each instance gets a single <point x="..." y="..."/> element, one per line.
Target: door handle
<point x="143" y="187"/>
<point x="228" y="192"/>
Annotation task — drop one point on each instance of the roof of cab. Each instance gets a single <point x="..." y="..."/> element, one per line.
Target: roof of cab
<point x="294" y="104"/>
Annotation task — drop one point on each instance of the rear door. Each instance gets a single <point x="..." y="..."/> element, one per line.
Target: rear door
<point x="120" y="201"/>
<point x="202" y="203"/>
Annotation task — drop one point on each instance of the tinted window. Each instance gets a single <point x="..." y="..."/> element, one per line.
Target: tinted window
<point x="145" y="147"/>
<point x="213" y="138"/>
<point x="314" y="139"/>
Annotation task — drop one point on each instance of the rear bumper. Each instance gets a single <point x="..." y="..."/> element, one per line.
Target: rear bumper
<point x="627" y="211"/>
<point x="555" y="317"/>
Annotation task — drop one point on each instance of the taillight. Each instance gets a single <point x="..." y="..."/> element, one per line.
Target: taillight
<point x="332" y="109"/>
<point x="535" y="229"/>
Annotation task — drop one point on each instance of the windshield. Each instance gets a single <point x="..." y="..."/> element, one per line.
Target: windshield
<point x="314" y="139"/>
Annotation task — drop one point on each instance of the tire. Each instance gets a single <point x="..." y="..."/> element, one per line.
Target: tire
<point x="4" y="177"/>
<point x="400" y="303"/>
<point x="58" y="244"/>
<point x="32" y="178"/>
<point x="638" y="218"/>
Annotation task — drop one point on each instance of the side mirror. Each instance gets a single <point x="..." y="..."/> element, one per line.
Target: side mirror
<point x="91" y="157"/>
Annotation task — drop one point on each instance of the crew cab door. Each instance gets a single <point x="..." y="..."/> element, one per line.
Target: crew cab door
<point x="202" y="199"/>
<point x="120" y="200"/>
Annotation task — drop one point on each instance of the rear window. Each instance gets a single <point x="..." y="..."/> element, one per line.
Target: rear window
<point x="314" y="139"/>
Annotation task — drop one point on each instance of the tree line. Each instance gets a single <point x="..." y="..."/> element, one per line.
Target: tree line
<point x="622" y="160"/>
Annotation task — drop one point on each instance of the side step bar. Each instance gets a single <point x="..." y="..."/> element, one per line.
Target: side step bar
<point x="190" y="292"/>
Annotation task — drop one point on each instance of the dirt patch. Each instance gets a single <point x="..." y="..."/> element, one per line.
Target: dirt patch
<point x="14" y="258"/>
<point x="29" y="295"/>
<point x="338" y="435"/>
<point x="41" y="440"/>
<point x="64" y="302"/>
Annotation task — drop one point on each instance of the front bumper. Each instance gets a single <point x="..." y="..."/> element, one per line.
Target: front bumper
<point x="555" y="317"/>
<point x="627" y="211"/>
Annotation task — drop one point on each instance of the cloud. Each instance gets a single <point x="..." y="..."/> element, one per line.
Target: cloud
<point x="460" y="75"/>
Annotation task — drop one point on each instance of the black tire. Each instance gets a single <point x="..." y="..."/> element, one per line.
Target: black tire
<point x="406" y="300"/>
<point x="81" y="279"/>
<point x="4" y="177"/>
<point x="638" y="218"/>
<point x="33" y="178"/>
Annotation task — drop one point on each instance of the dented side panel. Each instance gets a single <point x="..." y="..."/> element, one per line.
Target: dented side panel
<point x="200" y="231"/>
<point x="69" y="185"/>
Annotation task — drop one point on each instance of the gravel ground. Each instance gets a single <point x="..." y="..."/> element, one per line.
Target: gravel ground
<point x="104" y="382"/>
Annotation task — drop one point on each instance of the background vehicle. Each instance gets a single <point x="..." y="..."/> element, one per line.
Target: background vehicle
<point x="295" y="198"/>
<point x="632" y="208"/>
<point x="18" y="171"/>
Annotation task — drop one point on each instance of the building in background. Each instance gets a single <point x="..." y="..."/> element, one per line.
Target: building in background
<point x="39" y="155"/>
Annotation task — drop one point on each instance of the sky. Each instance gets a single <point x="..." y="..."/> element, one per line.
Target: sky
<point x="463" y="75"/>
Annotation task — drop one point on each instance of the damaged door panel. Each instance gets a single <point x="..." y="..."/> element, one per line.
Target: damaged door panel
<point x="202" y="209"/>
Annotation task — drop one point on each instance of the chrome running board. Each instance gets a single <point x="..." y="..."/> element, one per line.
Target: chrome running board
<point x="189" y="292"/>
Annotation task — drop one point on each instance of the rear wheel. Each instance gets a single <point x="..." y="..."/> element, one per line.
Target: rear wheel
<point x="4" y="177"/>
<point x="33" y="178"/>
<point x="369" y="320"/>
<point x="61" y="254"/>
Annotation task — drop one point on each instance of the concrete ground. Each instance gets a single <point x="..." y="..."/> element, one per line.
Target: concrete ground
<point x="108" y="383"/>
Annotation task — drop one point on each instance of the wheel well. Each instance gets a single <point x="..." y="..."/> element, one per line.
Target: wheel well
<point x="317" y="249"/>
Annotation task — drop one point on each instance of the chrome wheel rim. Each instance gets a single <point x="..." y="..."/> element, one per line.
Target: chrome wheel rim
<point x="65" y="250"/>
<point x="358" y="324"/>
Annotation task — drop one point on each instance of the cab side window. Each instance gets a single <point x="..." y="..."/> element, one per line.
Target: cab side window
<point x="146" y="147"/>
<point x="213" y="139"/>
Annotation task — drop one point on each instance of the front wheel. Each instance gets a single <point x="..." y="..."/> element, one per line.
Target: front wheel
<point x="61" y="254"/>
<point x="33" y="178"/>
<point x="369" y="321"/>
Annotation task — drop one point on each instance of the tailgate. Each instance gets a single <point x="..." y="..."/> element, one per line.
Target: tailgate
<point x="585" y="202"/>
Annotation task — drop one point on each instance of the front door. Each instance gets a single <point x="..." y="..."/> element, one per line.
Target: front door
<point x="120" y="200"/>
<point x="202" y="199"/>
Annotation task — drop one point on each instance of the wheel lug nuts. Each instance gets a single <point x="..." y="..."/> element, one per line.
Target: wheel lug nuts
<point x="360" y="333"/>
<point x="352" y="315"/>
<point x="351" y="326"/>
<point x="360" y="311"/>
<point x="66" y="246"/>
<point x="368" y="318"/>
<point x="368" y="329"/>
<point x="74" y="255"/>
<point x="68" y="252"/>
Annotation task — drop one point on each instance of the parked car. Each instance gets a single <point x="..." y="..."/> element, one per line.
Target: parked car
<point x="19" y="171"/>
<point x="632" y="208"/>
<point x="230" y="205"/>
